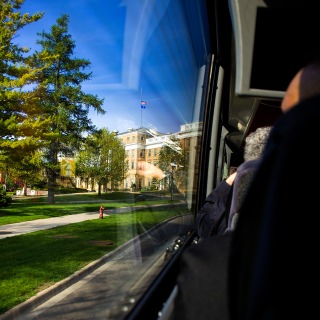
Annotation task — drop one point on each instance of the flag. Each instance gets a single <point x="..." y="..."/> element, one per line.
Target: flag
<point x="143" y="104"/>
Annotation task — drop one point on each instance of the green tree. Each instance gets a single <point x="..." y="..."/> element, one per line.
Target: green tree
<point x="154" y="183"/>
<point x="59" y="93"/>
<point x="28" y="169"/>
<point x="85" y="164"/>
<point x="25" y="167"/>
<point x="19" y="129"/>
<point x="171" y="160"/>
<point x="102" y="159"/>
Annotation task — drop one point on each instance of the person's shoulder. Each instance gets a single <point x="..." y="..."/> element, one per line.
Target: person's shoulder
<point x="295" y="130"/>
<point x="248" y="165"/>
<point x="304" y="110"/>
<point x="301" y="120"/>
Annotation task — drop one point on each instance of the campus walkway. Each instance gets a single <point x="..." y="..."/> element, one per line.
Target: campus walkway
<point x="16" y="229"/>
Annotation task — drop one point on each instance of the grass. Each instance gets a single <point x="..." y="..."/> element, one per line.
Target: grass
<point x="35" y="261"/>
<point x="32" y="208"/>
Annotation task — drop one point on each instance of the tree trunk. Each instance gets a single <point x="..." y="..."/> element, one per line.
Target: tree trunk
<point x="51" y="185"/>
<point x="53" y="170"/>
<point x="24" y="188"/>
<point x="99" y="189"/>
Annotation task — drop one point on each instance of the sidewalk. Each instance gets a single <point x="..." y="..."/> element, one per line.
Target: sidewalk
<point x="16" y="229"/>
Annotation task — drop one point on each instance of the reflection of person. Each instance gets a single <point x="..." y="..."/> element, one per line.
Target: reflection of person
<point x="212" y="218"/>
<point x="273" y="248"/>
<point x="267" y="267"/>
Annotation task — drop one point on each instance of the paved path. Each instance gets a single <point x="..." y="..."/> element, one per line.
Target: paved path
<point x="15" y="229"/>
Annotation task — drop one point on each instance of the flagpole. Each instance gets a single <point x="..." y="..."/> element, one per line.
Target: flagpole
<point x="141" y="106"/>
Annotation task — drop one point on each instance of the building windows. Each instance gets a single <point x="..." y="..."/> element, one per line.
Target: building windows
<point x="144" y="154"/>
<point x="68" y="170"/>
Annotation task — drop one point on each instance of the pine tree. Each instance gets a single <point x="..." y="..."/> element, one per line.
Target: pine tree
<point x="63" y="103"/>
<point x="18" y="137"/>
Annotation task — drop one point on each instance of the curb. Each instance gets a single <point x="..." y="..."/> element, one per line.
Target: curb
<point x="58" y="287"/>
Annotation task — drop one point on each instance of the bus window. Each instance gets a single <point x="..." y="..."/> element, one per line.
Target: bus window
<point x="113" y="103"/>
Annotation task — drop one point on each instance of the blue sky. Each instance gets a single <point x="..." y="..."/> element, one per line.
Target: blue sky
<point x="125" y="41"/>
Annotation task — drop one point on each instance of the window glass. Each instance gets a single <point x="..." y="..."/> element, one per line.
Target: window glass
<point x="146" y="62"/>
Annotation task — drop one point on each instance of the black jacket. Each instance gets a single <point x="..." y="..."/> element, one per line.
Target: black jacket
<point x="273" y="265"/>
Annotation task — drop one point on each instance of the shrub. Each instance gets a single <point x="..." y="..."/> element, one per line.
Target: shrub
<point x="5" y="200"/>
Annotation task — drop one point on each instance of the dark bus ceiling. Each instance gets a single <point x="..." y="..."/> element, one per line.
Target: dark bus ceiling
<point x="282" y="42"/>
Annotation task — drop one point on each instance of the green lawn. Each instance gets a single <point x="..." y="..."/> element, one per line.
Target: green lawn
<point x="32" y="208"/>
<point x="35" y="261"/>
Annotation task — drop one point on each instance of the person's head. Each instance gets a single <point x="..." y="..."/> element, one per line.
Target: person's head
<point x="305" y="84"/>
<point x="255" y="143"/>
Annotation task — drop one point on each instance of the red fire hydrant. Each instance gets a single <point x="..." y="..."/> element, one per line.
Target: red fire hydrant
<point x="101" y="212"/>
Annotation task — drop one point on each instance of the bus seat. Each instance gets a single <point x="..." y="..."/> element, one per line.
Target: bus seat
<point x="202" y="280"/>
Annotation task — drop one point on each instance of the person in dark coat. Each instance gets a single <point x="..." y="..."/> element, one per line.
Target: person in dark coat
<point x="212" y="218"/>
<point x="273" y="266"/>
<point x="267" y="267"/>
<point x="203" y="268"/>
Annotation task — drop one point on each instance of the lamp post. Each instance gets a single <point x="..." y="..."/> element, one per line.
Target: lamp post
<point x="136" y="180"/>
<point x="173" y="165"/>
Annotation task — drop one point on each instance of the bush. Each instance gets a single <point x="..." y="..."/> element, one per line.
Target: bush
<point x="63" y="190"/>
<point x="5" y="200"/>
